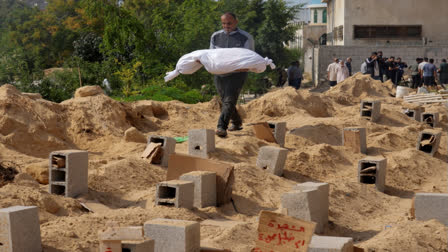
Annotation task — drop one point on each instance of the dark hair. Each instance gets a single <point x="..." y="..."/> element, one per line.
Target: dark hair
<point x="230" y="14"/>
<point x="380" y="52"/>
<point x="374" y="53"/>
<point x="444" y="60"/>
<point x="391" y="57"/>
<point x="431" y="61"/>
<point x="417" y="59"/>
<point x="398" y="58"/>
<point x="425" y="58"/>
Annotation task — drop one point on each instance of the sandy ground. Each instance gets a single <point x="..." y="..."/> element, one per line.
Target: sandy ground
<point x="125" y="184"/>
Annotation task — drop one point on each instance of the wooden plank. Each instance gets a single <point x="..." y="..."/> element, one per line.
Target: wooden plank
<point x="281" y="233"/>
<point x="264" y="132"/>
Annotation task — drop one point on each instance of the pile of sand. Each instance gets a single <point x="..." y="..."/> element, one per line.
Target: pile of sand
<point x="123" y="184"/>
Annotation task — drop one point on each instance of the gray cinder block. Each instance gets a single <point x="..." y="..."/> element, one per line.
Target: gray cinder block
<point x="429" y="141"/>
<point x="204" y="187"/>
<point x="279" y="131"/>
<point x="431" y="206"/>
<point x="110" y="246"/>
<point x="168" y="147"/>
<point x="20" y="229"/>
<point x="272" y="159"/>
<point x="175" y="193"/>
<point x="174" y="235"/>
<point x="359" y="144"/>
<point x="138" y="246"/>
<point x="414" y="113"/>
<point x="330" y="244"/>
<point x="371" y="110"/>
<point x="69" y="172"/>
<point x="308" y="201"/>
<point x="201" y="142"/>
<point x="432" y="119"/>
<point x="372" y="170"/>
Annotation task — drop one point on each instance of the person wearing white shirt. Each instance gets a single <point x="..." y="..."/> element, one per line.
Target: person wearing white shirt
<point x="342" y="72"/>
<point x="332" y="72"/>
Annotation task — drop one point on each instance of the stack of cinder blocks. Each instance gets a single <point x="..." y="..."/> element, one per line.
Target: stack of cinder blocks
<point x="272" y="159"/>
<point x="168" y="147"/>
<point x="279" y="132"/>
<point x="174" y="235"/>
<point x="429" y="141"/>
<point x="20" y="229"/>
<point x="432" y="119"/>
<point x="371" y="110"/>
<point x="308" y="201"/>
<point x="431" y="206"/>
<point x="356" y="139"/>
<point x="193" y="189"/>
<point x="69" y="172"/>
<point x="330" y="244"/>
<point x="372" y="170"/>
<point x="125" y="239"/>
<point x="201" y="142"/>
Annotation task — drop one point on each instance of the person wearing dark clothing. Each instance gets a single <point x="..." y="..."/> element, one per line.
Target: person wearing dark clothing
<point x="348" y="64"/>
<point x="443" y="70"/>
<point x="401" y="66"/>
<point x="416" y="80"/>
<point x="229" y="85"/>
<point x="381" y="65"/>
<point x="294" y="75"/>
<point x="391" y="70"/>
<point x="372" y="66"/>
<point x="281" y="76"/>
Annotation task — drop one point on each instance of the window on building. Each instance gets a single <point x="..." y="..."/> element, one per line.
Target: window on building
<point x="315" y="16"/>
<point x="387" y="31"/>
<point x="324" y="16"/>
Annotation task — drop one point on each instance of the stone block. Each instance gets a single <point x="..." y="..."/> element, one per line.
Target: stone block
<point x="429" y="141"/>
<point x="431" y="206"/>
<point x="371" y="110"/>
<point x="272" y="159"/>
<point x="69" y="172"/>
<point x="204" y="187"/>
<point x="110" y="246"/>
<point x="20" y="229"/>
<point x="175" y="193"/>
<point x="356" y="139"/>
<point x="168" y="147"/>
<point x="201" y="142"/>
<point x="414" y="113"/>
<point x="309" y="201"/>
<point x="432" y="119"/>
<point x="174" y="235"/>
<point x="121" y="233"/>
<point x="372" y="170"/>
<point x="279" y="132"/>
<point x="330" y="244"/>
<point x="138" y="246"/>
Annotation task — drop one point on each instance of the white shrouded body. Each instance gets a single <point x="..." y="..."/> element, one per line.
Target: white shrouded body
<point x="220" y="61"/>
<point x="402" y="92"/>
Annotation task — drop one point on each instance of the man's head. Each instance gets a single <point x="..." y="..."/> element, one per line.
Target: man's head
<point x="336" y="60"/>
<point x="391" y="58"/>
<point x="418" y="60"/>
<point x="444" y="60"/>
<point x="399" y="60"/>
<point x="349" y="60"/>
<point x="341" y="63"/>
<point x="374" y="55"/>
<point x="425" y="59"/>
<point x="380" y="54"/>
<point x="229" y="22"/>
<point x="431" y="61"/>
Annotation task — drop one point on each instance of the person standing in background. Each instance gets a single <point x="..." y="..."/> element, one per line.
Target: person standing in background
<point x="416" y="80"/>
<point x="295" y="75"/>
<point x="372" y="66"/>
<point x="348" y="64"/>
<point x="342" y="72"/>
<point x="332" y="72"/>
<point x="443" y="71"/>
<point x="429" y="73"/>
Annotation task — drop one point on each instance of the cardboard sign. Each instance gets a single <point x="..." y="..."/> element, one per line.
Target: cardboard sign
<point x="179" y="164"/>
<point x="352" y="140"/>
<point x="280" y="233"/>
<point x="153" y="152"/>
<point x="264" y="132"/>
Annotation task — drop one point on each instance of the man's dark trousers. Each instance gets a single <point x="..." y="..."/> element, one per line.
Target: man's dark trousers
<point x="229" y="88"/>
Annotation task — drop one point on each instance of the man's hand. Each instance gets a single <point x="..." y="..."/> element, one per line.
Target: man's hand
<point x="242" y="70"/>
<point x="198" y="61"/>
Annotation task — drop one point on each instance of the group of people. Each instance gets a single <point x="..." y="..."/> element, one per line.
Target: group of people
<point x="339" y="70"/>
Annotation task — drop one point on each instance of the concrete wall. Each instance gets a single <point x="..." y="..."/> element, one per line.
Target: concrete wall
<point x="323" y="56"/>
<point x="431" y="14"/>
<point x="313" y="32"/>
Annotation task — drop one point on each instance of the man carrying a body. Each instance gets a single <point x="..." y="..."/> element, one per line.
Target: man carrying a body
<point x="229" y="85"/>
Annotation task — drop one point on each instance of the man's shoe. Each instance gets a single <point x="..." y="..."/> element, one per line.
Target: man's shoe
<point x="221" y="132"/>
<point x="234" y="127"/>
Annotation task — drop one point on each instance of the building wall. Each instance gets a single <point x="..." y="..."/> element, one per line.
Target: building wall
<point x="336" y="17"/>
<point x="432" y="14"/>
<point x="319" y="15"/>
<point x="324" y="55"/>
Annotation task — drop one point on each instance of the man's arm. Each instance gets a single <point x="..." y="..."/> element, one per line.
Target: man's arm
<point x="212" y="45"/>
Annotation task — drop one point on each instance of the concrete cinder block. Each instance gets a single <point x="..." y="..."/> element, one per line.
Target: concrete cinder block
<point x="356" y="138"/>
<point x="432" y="119"/>
<point x="429" y="141"/>
<point x="330" y="244"/>
<point x="110" y="246"/>
<point x="204" y="187"/>
<point x="309" y="205"/>
<point x="121" y="233"/>
<point x="414" y="113"/>
<point x="175" y="193"/>
<point x="372" y="170"/>
<point x="69" y="172"/>
<point x="431" y="206"/>
<point x="279" y="131"/>
<point x="371" y="110"/>
<point x="201" y="142"/>
<point x="168" y="147"/>
<point x="272" y="159"/>
<point x="138" y="246"/>
<point x="174" y="235"/>
<point x="20" y="229"/>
